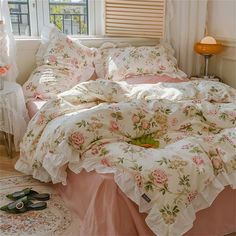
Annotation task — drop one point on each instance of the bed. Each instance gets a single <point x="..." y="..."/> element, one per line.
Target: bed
<point x="132" y="158"/>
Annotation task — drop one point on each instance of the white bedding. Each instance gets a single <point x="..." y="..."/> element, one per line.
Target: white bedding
<point x="103" y="125"/>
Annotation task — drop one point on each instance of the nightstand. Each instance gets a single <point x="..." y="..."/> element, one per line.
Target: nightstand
<point x="13" y="115"/>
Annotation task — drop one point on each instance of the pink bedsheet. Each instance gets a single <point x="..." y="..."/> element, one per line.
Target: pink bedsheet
<point x="34" y="106"/>
<point x="104" y="210"/>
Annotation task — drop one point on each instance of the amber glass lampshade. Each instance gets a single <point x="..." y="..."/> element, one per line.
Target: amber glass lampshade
<point x="207" y="47"/>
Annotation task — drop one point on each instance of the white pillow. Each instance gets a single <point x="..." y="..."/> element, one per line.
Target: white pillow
<point x="62" y="64"/>
<point x="119" y="63"/>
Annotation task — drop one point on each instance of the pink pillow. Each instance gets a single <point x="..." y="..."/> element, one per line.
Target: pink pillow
<point x="153" y="79"/>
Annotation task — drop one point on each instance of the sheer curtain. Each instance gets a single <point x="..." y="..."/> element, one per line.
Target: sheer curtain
<point x="185" y="25"/>
<point x="8" y="46"/>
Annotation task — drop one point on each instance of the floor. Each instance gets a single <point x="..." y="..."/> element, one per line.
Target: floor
<point x="7" y="164"/>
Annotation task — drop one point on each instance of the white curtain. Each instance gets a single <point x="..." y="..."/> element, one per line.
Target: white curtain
<point x="8" y="46"/>
<point x="185" y="25"/>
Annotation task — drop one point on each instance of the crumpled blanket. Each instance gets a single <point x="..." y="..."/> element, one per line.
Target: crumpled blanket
<point x="102" y="125"/>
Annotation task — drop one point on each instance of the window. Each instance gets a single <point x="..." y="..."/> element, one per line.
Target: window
<point x="69" y="17"/>
<point x="20" y="19"/>
<point x="73" y="17"/>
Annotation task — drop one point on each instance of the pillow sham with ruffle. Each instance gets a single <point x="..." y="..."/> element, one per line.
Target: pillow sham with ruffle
<point x="119" y="63"/>
<point x="63" y="63"/>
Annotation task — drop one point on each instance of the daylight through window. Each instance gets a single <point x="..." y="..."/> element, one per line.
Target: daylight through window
<point x="70" y="16"/>
<point x="20" y="18"/>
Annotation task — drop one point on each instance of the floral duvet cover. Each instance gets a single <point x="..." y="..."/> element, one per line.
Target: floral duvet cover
<point x="171" y="147"/>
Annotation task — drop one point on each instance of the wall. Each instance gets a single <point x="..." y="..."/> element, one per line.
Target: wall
<point x="221" y="25"/>
<point x="26" y="51"/>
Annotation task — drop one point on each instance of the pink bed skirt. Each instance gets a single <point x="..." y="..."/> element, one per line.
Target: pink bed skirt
<point x="104" y="210"/>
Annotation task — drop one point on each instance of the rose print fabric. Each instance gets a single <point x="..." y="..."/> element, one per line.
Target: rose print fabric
<point x="65" y="63"/>
<point x="93" y="126"/>
<point x="120" y="63"/>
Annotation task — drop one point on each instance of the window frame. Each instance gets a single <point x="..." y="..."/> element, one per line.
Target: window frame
<point x="39" y="17"/>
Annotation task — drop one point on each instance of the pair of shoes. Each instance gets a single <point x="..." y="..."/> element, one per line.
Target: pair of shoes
<point x="32" y="195"/>
<point x="23" y="201"/>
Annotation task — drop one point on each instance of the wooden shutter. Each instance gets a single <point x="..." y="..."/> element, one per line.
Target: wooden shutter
<point x="135" y="18"/>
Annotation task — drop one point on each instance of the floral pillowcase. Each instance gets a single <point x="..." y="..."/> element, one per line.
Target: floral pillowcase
<point x="64" y="64"/>
<point x="120" y="63"/>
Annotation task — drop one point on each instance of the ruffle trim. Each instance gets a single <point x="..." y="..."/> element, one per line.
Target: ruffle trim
<point x="184" y="222"/>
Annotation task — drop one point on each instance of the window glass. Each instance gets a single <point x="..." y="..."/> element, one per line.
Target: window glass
<point x="20" y="18"/>
<point x="73" y="17"/>
<point x="70" y="16"/>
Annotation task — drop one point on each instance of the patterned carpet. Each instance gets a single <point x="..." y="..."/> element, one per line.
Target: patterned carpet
<point x="55" y="220"/>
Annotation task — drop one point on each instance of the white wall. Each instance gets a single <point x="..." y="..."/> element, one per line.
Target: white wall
<point x="222" y="26"/>
<point x="222" y="18"/>
<point x="25" y="57"/>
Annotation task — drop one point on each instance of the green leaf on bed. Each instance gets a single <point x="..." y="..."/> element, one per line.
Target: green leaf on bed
<point x="146" y="141"/>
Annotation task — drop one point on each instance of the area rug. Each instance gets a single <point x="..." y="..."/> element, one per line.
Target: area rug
<point x="55" y="220"/>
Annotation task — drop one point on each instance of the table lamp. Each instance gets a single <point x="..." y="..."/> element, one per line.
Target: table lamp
<point x="208" y="47"/>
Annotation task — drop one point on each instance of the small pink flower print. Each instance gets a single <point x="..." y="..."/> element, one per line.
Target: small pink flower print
<point x="74" y="61"/>
<point x="145" y="124"/>
<point x="174" y="121"/>
<point x="188" y="146"/>
<point x="212" y="112"/>
<point x="77" y="138"/>
<point x="5" y="226"/>
<point x="105" y="162"/>
<point x="40" y="120"/>
<point x="208" y="138"/>
<point x="52" y="59"/>
<point x="195" y="101"/>
<point x="69" y="41"/>
<point x="94" y="125"/>
<point x="226" y="138"/>
<point x="192" y="195"/>
<point x="198" y="160"/>
<point x="135" y="119"/>
<point x="114" y="126"/>
<point x="162" y="67"/>
<point x="54" y="115"/>
<point x="178" y="138"/>
<point x="217" y="163"/>
<point x="139" y="180"/>
<point x="232" y="113"/>
<point x="95" y="150"/>
<point x="29" y="86"/>
<point x="160" y="177"/>
<point x="220" y="152"/>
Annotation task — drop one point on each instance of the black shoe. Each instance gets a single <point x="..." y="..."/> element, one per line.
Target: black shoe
<point x="22" y="205"/>
<point x="31" y="194"/>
